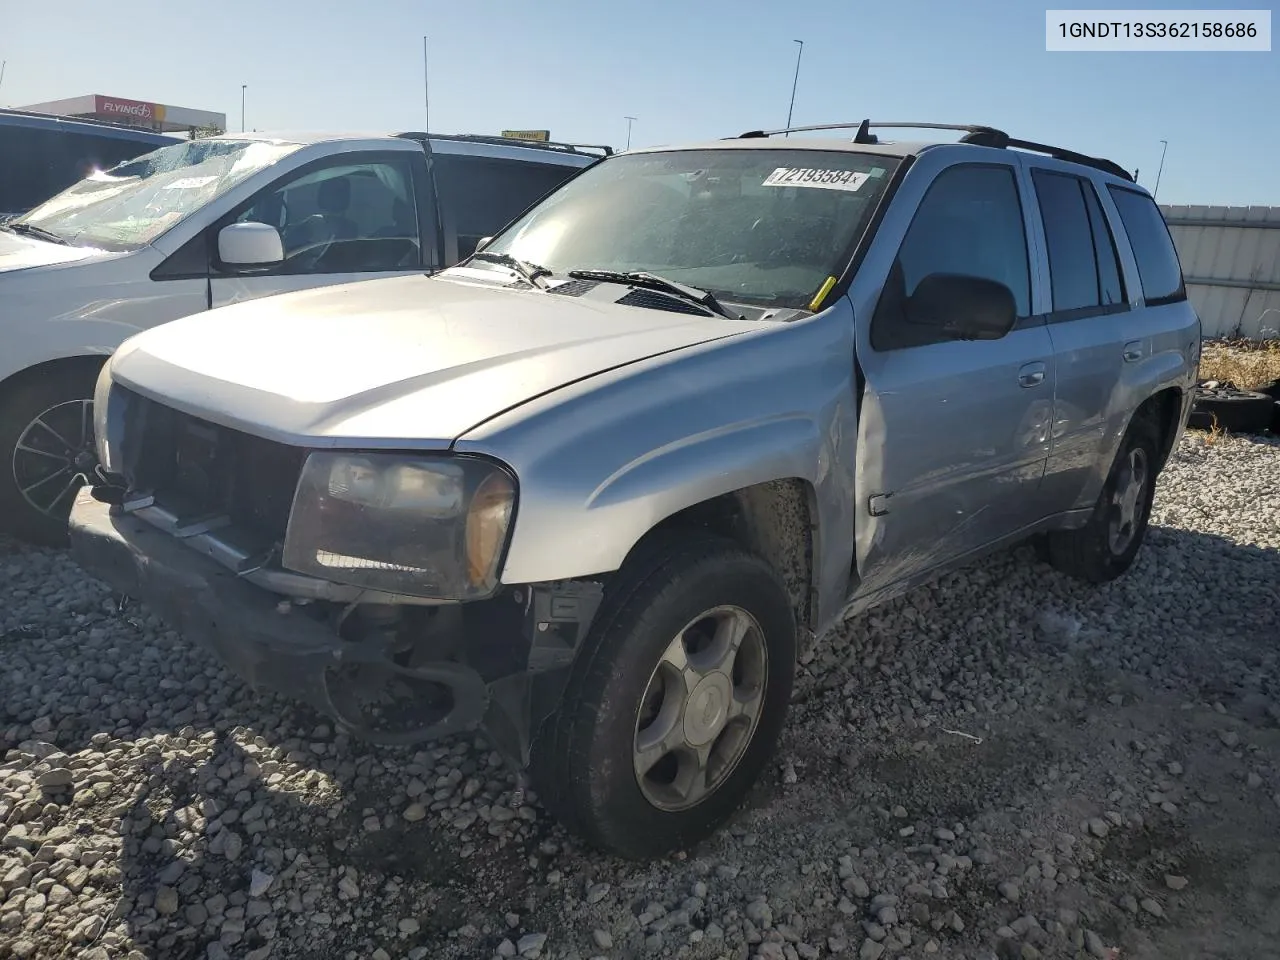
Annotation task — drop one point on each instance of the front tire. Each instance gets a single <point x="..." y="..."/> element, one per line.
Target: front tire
<point x="676" y="701"/>
<point x="47" y="450"/>
<point x="1105" y="547"/>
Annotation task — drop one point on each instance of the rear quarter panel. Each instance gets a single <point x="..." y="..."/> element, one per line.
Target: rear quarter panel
<point x="1170" y="337"/>
<point x="1172" y="351"/>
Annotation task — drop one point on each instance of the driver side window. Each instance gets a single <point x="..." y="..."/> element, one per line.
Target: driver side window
<point x="969" y="222"/>
<point x="348" y="218"/>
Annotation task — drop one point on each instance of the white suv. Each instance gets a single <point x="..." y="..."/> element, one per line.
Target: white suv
<point x="205" y="223"/>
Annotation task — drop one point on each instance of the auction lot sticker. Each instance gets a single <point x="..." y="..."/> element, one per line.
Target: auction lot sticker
<point x="811" y="177"/>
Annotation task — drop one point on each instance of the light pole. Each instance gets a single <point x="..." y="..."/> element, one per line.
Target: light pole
<point x="426" y="91"/>
<point x="795" y="80"/>
<point x="243" y="88"/>
<point x="1161" y="170"/>
<point x="629" y="122"/>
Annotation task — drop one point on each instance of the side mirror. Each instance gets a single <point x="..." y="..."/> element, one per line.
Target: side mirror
<point x="250" y="244"/>
<point x="962" y="306"/>
<point x="484" y="242"/>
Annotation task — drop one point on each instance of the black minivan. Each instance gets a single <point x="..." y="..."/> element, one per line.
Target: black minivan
<point x="42" y="155"/>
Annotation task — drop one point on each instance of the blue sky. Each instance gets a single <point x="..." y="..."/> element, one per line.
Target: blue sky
<point x="686" y="71"/>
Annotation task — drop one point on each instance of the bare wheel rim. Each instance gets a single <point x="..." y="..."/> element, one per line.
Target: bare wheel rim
<point x="1127" y="501"/>
<point x="55" y="456"/>
<point x="700" y="708"/>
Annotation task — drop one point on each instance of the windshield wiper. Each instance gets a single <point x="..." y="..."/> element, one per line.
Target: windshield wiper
<point x="43" y="234"/>
<point x="651" y="281"/>
<point x="530" y="271"/>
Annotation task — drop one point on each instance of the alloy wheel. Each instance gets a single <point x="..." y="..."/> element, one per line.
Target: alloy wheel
<point x="55" y="456"/>
<point x="1127" y="501"/>
<point x="700" y="708"/>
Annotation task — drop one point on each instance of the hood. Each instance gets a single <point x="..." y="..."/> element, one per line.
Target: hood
<point x="18" y="252"/>
<point x="381" y="362"/>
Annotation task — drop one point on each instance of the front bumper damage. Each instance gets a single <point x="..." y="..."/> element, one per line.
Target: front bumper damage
<point x="509" y="657"/>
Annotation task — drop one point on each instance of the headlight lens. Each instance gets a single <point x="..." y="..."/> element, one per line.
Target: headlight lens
<point x="421" y="526"/>
<point x="433" y="489"/>
<point x="101" y="432"/>
<point x="488" y="520"/>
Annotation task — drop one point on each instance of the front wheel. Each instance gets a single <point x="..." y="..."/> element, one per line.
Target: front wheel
<point x="47" y="451"/>
<point x="676" y="701"/>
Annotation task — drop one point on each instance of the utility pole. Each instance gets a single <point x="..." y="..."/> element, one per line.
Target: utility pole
<point x="629" y="122"/>
<point x="794" y="80"/>
<point x="3" y="64"/>
<point x="426" y="91"/>
<point x="243" y="88"/>
<point x="1161" y="170"/>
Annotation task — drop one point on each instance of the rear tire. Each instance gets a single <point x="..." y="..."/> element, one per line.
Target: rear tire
<point x="662" y="686"/>
<point x="46" y="450"/>
<point x="1104" y="548"/>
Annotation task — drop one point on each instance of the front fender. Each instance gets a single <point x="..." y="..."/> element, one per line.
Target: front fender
<point x="86" y="308"/>
<point x="602" y="461"/>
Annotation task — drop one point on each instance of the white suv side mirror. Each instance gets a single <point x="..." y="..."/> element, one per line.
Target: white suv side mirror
<point x="484" y="242"/>
<point x="250" y="245"/>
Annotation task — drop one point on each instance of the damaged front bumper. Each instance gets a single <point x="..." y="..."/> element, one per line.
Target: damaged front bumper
<point x="509" y="661"/>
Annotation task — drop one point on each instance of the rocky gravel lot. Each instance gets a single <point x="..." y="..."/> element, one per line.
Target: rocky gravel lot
<point x="1003" y="764"/>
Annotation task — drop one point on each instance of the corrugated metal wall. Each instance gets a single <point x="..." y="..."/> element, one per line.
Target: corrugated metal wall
<point x="1231" y="260"/>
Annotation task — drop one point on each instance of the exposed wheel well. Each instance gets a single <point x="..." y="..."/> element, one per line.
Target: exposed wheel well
<point x="773" y="520"/>
<point x="1163" y="409"/>
<point x="51" y="367"/>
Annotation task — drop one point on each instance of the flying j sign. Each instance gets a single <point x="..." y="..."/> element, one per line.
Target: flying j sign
<point x="136" y="110"/>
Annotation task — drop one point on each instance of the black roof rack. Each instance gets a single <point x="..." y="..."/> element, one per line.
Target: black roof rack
<point x="557" y="146"/>
<point x="973" y="133"/>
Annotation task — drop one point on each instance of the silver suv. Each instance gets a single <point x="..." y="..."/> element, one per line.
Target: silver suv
<point x="597" y="488"/>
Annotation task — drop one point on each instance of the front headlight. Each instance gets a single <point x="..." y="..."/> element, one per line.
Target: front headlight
<point x="102" y="437"/>
<point x="422" y="526"/>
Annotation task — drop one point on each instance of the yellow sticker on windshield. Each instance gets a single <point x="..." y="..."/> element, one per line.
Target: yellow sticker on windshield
<point x="821" y="295"/>
<point x="810" y="177"/>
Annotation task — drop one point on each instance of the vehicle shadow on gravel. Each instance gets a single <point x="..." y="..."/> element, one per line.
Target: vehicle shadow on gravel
<point x="215" y="861"/>
<point x="325" y="860"/>
<point x="216" y="856"/>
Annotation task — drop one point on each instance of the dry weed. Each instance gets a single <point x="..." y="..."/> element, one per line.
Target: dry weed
<point x="1245" y="364"/>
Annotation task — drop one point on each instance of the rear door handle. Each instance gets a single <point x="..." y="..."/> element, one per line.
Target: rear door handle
<point x="1032" y="374"/>
<point x="1133" y="351"/>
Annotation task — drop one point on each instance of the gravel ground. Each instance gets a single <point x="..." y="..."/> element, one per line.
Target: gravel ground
<point x="1003" y="764"/>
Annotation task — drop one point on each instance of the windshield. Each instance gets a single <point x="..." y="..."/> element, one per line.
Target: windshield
<point x="131" y="204"/>
<point x="757" y="226"/>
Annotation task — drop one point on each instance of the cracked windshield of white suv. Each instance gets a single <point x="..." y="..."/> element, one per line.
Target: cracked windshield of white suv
<point x="133" y="203"/>
<point x="756" y="226"/>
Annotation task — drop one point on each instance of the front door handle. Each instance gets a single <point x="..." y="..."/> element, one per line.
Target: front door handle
<point x="1133" y="351"/>
<point x="1032" y="374"/>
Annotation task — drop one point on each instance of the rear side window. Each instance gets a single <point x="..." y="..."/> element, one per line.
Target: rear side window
<point x="1110" y="282"/>
<point x="479" y="196"/>
<point x="1073" y="268"/>
<point x="1158" y="266"/>
<point x="1083" y="269"/>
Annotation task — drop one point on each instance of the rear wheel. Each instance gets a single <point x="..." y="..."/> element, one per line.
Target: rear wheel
<point x="676" y="701"/>
<point x="1105" y="547"/>
<point x="47" y="451"/>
